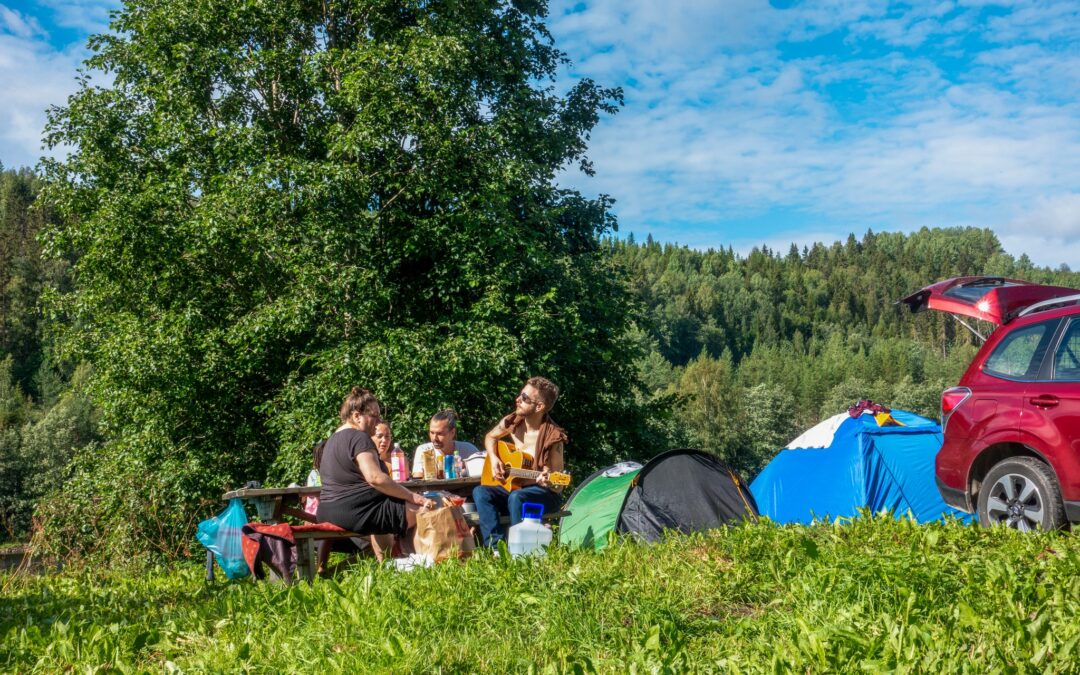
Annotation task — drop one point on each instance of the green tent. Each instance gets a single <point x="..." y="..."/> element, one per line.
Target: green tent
<point x="680" y="490"/>
<point x="595" y="506"/>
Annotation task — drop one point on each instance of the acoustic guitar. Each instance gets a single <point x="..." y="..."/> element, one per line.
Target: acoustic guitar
<point x="516" y="466"/>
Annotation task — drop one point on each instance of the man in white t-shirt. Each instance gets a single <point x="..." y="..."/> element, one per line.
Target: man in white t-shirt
<point x="442" y="433"/>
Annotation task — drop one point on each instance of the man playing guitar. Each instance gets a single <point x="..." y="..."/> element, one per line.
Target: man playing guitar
<point x="535" y="434"/>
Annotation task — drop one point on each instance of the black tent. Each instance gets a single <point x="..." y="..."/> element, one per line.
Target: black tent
<point x="683" y="490"/>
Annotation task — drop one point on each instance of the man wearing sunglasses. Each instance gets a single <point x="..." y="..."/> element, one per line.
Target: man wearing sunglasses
<point x="533" y="432"/>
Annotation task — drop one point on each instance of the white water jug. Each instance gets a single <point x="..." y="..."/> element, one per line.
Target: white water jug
<point x="529" y="536"/>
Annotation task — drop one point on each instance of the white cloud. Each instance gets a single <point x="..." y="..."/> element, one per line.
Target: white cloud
<point x="38" y="70"/>
<point x="1052" y="217"/>
<point x="728" y="131"/>
<point x="1046" y="229"/>
<point x="88" y="16"/>
<point x="33" y="76"/>
<point x="14" y="23"/>
<point x="1038" y="20"/>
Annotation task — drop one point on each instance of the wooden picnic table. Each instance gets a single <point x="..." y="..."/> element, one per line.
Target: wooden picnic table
<point x="273" y="503"/>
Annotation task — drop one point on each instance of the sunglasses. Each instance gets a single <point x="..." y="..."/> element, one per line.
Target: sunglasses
<point x="525" y="398"/>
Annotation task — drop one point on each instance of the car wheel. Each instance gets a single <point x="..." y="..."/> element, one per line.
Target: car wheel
<point x="1021" y="493"/>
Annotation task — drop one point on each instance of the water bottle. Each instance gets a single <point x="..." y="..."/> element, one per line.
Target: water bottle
<point x="449" y="467"/>
<point x="529" y="536"/>
<point x="459" y="465"/>
<point x="398" y="470"/>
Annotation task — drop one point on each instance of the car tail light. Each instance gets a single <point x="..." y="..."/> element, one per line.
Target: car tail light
<point x="951" y="399"/>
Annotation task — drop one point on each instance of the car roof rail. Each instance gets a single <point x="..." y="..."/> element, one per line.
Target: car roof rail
<point x="1047" y="304"/>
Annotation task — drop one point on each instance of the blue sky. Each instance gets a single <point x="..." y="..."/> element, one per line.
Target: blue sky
<point x="750" y="122"/>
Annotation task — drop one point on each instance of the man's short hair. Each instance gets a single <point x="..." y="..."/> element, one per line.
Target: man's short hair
<point x="449" y="416"/>
<point x="549" y="393"/>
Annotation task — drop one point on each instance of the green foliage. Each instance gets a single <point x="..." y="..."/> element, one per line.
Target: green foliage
<point x="44" y="418"/>
<point x="15" y="406"/>
<point x="767" y="424"/>
<point x="37" y="445"/>
<point x="272" y="202"/>
<point x="709" y="402"/>
<point x="716" y="300"/>
<point x="23" y="278"/>
<point x="873" y="594"/>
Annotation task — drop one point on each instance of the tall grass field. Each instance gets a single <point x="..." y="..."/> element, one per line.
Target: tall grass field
<point x="871" y="595"/>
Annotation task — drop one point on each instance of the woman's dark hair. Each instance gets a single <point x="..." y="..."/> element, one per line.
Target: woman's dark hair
<point x="316" y="454"/>
<point x="359" y="400"/>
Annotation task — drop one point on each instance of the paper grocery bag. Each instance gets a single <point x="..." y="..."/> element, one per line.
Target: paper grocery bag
<point x="442" y="533"/>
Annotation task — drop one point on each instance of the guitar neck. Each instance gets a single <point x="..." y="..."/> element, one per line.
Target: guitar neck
<point x="525" y="473"/>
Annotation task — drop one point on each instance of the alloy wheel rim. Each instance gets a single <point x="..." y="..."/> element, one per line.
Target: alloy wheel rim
<point x="1015" y="501"/>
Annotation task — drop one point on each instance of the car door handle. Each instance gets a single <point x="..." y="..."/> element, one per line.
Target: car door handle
<point x="1045" y="401"/>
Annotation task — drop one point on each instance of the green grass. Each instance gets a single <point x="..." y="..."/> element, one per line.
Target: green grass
<point x="873" y="595"/>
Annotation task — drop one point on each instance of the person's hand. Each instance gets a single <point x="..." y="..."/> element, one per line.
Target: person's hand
<point x="544" y="480"/>
<point x="497" y="469"/>
<point x="422" y="501"/>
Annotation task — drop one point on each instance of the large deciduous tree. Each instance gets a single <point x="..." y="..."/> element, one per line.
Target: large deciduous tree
<point x="272" y="201"/>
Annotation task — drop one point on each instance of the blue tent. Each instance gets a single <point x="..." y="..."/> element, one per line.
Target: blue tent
<point x="846" y="463"/>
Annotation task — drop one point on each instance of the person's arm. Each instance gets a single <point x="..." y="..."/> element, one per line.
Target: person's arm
<point x="555" y="463"/>
<point x="368" y="464"/>
<point x="501" y="430"/>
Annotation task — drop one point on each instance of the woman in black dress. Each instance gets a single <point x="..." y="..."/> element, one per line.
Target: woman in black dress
<point x="356" y="493"/>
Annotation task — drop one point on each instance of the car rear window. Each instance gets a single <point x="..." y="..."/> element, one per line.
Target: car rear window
<point x="973" y="291"/>
<point x="1020" y="353"/>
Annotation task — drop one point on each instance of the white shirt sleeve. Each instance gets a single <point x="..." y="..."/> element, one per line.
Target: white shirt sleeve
<point x="418" y="459"/>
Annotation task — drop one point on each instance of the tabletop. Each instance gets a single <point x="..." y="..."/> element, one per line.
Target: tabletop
<point x="449" y="485"/>
<point x="273" y="503"/>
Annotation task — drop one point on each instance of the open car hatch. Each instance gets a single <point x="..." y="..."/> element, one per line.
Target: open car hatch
<point x="994" y="299"/>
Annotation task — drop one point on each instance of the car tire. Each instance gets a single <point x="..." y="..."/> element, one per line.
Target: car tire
<point x="1021" y="493"/>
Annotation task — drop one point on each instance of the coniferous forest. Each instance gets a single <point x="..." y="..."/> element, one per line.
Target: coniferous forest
<point x="733" y="353"/>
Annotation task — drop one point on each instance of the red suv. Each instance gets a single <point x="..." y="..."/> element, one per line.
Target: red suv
<point x="1012" y="425"/>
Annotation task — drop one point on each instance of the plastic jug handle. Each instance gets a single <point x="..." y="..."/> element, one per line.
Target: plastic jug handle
<point x="531" y="510"/>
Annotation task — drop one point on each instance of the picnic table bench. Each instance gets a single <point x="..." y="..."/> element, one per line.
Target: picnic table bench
<point x="272" y="504"/>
